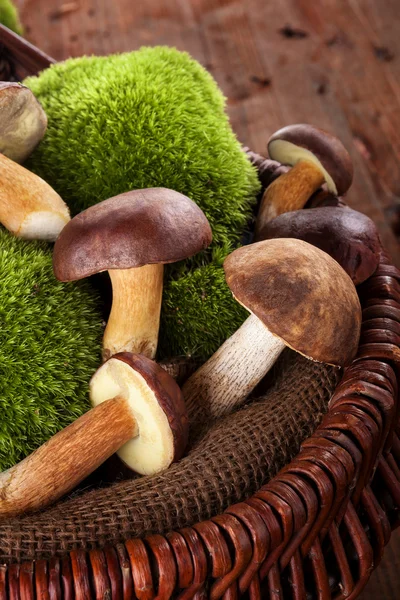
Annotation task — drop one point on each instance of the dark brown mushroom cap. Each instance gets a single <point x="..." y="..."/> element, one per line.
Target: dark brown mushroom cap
<point x="168" y="393"/>
<point x="347" y="235"/>
<point x="301" y="295"/>
<point x="304" y="141"/>
<point x="153" y="225"/>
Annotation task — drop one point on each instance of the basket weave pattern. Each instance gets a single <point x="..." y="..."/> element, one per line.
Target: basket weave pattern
<point x="316" y="530"/>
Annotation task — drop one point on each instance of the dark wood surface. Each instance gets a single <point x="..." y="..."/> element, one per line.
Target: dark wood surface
<point x="333" y="63"/>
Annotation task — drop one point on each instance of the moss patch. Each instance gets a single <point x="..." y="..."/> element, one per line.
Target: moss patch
<point x="9" y="16"/>
<point x="150" y="118"/>
<point x="50" y="346"/>
<point x="206" y="314"/>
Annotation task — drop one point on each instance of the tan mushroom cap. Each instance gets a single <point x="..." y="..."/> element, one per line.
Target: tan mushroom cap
<point x="301" y="295"/>
<point x="157" y="405"/>
<point x="305" y="142"/>
<point x="141" y="227"/>
<point x="23" y="121"/>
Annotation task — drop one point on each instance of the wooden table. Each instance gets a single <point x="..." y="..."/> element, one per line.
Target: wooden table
<point x="333" y="63"/>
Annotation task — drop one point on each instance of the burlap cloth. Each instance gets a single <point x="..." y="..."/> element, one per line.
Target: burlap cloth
<point x="225" y="465"/>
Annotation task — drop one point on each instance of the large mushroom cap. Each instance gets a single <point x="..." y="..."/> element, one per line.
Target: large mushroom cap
<point x="302" y="296"/>
<point x="305" y="142"/>
<point x="23" y="121"/>
<point x="157" y="405"/>
<point x="153" y="225"/>
<point x="347" y="235"/>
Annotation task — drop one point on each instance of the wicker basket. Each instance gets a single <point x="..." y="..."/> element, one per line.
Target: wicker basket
<point x="317" y="530"/>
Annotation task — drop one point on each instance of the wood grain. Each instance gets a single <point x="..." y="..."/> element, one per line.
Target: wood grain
<point x="335" y="64"/>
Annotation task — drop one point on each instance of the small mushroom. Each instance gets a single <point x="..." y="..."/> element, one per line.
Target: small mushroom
<point x="139" y="412"/>
<point x="29" y="207"/>
<point x="298" y="296"/>
<point x="23" y="121"/>
<point x="350" y="237"/>
<point x="316" y="157"/>
<point x="132" y="236"/>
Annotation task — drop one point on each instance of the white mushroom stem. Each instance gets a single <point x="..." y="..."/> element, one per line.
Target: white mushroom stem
<point x="223" y="383"/>
<point x="134" y="320"/>
<point x="290" y="191"/>
<point x="29" y="207"/>
<point x="67" y="458"/>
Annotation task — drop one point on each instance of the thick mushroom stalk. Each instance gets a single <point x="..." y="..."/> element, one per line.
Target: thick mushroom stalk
<point x="290" y="191"/>
<point x="23" y="121"/>
<point x="233" y="371"/>
<point x="138" y="411"/>
<point x="316" y="157"/>
<point x="132" y="236"/>
<point x="29" y="207"/>
<point x="134" y="319"/>
<point x="299" y="297"/>
<point x="67" y="458"/>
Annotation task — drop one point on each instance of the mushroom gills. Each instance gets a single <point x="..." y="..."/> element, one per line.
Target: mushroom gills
<point x="288" y="153"/>
<point x="153" y="449"/>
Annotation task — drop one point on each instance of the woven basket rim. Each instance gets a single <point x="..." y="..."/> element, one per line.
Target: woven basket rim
<point x="283" y="525"/>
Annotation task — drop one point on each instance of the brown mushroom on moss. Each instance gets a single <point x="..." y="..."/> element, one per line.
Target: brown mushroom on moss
<point x="316" y="157"/>
<point x="23" y="121"/>
<point x="299" y="297"/>
<point x="138" y="411"/>
<point x="350" y="237"/>
<point x="132" y="236"/>
<point x="29" y="207"/>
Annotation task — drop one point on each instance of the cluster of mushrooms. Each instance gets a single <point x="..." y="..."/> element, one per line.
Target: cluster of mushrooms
<point x="297" y="281"/>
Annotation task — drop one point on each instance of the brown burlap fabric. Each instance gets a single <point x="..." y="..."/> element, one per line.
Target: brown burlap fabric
<point x="229" y="463"/>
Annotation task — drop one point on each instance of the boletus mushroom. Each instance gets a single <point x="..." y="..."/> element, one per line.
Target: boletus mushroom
<point x="138" y="411"/>
<point x="132" y="236"/>
<point x="316" y="157"/>
<point x="299" y="297"/>
<point x="23" y="121"/>
<point x="347" y="235"/>
<point x="29" y="207"/>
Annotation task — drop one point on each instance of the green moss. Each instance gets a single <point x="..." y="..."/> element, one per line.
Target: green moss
<point x="50" y="346"/>
<point x="9" y="16"/>
<point x="202" y="305"/>
<point x="149" y="118"/>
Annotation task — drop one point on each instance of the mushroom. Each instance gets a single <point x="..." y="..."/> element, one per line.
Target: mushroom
<point x="23" y="121"/>
<point x="298" y="296"/>
<point x="350" y="237"/>
<point x="316" y="157"/>
<point x="29" y="207"/>
<point x="132" y="236"/>
<point x="138" y="411"/>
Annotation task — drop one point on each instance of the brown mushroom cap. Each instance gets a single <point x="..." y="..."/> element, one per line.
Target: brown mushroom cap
<point x="350" y="237"/>
<point x="23" y="121"/>
<point x="158" y="408"/>
<point x="305" y="142"/>
<point x="301" y="295"/>
<point x="149" y="226"/>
